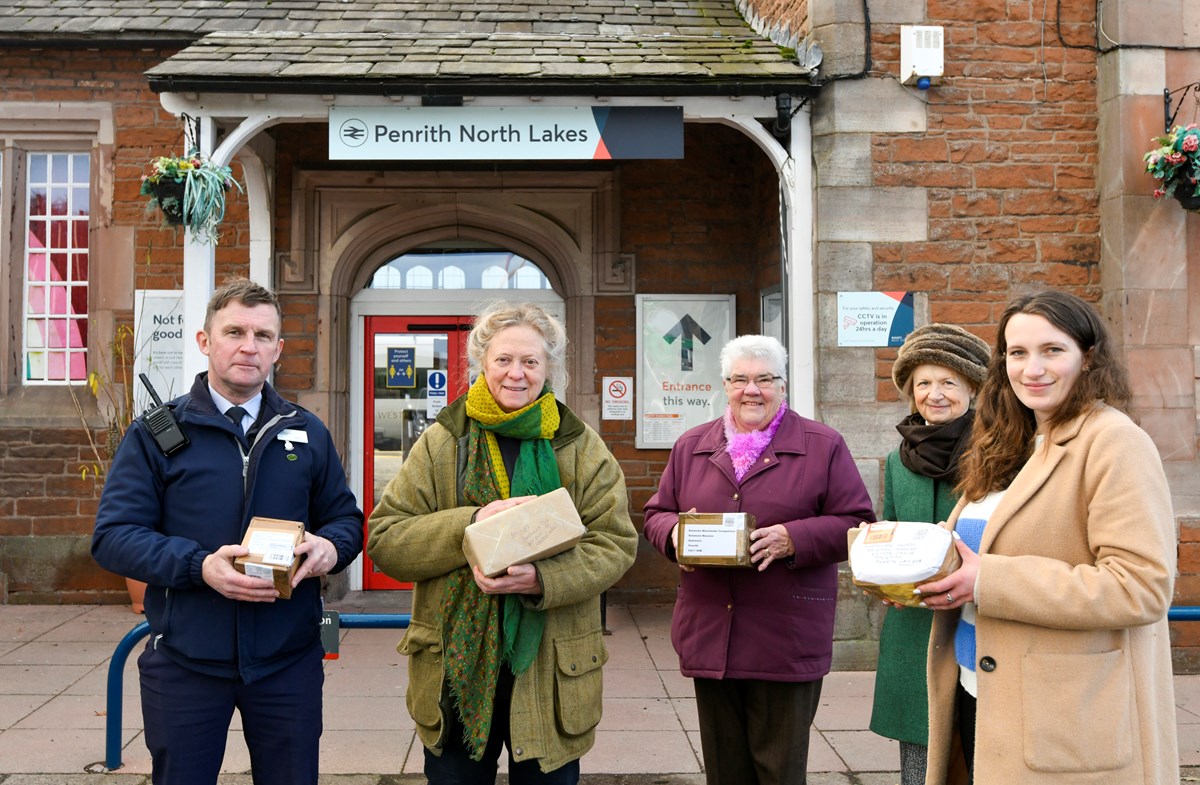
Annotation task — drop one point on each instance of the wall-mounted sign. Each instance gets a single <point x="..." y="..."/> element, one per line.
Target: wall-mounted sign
<point x="616" y="398"/>
<point x="527" y="133"/>
<point x="679" y="342"/>
<point x="436" y="400"/>
<point x="401" y="367"/>
<point x="874" y="318"/>
<point x="158" y="342"/>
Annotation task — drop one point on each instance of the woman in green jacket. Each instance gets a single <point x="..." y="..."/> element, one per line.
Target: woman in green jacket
<point x="939" y="369"/>
<point x="513" y="660"/>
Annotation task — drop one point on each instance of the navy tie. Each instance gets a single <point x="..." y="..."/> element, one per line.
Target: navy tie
<point x="236" y="413"/>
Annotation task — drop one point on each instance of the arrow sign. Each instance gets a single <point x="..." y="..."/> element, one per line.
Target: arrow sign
<point x="688" y="330"/>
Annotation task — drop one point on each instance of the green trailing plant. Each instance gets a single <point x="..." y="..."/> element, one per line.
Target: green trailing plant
<point x="189" y="191"/>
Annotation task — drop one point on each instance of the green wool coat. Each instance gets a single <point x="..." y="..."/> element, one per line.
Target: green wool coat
<point x="415" y="534"/>
<point x="901" y="707"/>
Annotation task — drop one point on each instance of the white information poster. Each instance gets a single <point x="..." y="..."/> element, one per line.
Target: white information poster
<point x="437" y="394"/>
<point x="616" y="397"/>
<point x="158" y="342"/>
<point x="679" y="342"/>
<point x="874" y="318"/>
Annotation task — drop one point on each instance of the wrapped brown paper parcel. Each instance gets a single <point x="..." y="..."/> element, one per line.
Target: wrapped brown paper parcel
<point x="271" y="541"/>
<point x="715" y="539"/>
<point x="540" y="527"/>
<point x="891" y="558"/>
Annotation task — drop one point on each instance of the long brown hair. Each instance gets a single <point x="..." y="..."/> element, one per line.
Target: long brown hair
<point x="1002" y="439"/>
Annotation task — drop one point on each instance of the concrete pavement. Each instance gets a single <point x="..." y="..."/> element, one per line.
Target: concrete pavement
<point x="54" y="665"/>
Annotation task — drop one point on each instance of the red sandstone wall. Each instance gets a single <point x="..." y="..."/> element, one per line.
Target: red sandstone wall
<point x="1009" y="158"/>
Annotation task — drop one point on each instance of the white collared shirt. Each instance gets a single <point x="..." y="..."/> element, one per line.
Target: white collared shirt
<point x="252" y="407"/>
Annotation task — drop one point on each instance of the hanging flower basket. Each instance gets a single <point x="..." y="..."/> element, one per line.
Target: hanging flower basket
<point x="169" y="196"/>
<point x="1184" y="195"/>
<point x="189" y="191"/>
<point x="1176" y="162"/>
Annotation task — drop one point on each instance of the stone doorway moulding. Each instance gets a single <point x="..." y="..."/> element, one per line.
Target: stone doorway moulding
<point x="347" y="224"/>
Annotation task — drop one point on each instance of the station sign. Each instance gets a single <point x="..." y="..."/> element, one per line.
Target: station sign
<point x="528" y="133"/>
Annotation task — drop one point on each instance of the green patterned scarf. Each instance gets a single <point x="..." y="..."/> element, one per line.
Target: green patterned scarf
<point x="476" y="642"/>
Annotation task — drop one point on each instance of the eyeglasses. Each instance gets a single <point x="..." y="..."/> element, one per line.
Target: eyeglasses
<point x="764" y="382"/>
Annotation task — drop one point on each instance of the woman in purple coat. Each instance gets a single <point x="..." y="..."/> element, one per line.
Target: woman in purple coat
<point x="759" y="641"/>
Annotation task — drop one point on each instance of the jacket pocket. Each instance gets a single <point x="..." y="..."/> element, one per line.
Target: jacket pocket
<point x="578" y="683"/>
<point x="422" y="644"/>
<point x="1087" y="726"/>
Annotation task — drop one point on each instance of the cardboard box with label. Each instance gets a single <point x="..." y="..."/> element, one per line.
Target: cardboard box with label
<point x="715" y="539"/>
<point x="891" y="558"/>
<point x="537" y="529"/>
<point x="271" y="542"/>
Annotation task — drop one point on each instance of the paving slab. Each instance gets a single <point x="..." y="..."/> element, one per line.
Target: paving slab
<point x="43" y="652"/>
<point x="78" y="711"/>
<point x="630" y="752"/>
<point x="54" y="750"/>
<point x="35" y="679"/>
<point x="53" y="679"/>
<point x="633" y="714"/>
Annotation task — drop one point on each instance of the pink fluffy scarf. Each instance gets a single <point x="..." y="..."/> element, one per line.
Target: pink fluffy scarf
<point x="744" y="448"/>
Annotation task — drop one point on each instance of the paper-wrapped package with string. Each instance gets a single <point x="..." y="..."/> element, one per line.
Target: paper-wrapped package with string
<point x="891" y="558"/>
<point x="537" y="529"/>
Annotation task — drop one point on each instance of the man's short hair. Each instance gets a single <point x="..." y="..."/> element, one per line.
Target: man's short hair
<point x="243" y="291"/>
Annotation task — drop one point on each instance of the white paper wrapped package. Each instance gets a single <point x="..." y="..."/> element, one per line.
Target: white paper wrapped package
<point x="891" y="558"/>
<point x="539" y="528"/>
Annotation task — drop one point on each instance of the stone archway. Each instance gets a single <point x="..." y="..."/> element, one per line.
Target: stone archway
<point x="346" y="224"/>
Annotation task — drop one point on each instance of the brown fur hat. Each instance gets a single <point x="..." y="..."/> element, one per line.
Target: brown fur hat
<point x="946" y="345"/>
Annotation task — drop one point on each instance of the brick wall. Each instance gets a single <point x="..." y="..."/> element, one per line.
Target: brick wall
<point x="1005" y="154"/>
<point x="783" y="21"/>
<point x="1009" y="160"/>
<point x="700" y="226"/>
<point x="47" y="508"/>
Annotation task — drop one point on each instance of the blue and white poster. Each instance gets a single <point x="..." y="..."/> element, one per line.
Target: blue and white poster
<point x="874" y="318"/>
<point x="401" y="367"/>
<point x="436" y="400"/>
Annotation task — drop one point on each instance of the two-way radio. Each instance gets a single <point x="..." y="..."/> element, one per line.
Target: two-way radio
<point x="161" y="422"/>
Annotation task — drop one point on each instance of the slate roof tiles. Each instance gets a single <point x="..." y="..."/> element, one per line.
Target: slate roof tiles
<point x="348" y="41"/>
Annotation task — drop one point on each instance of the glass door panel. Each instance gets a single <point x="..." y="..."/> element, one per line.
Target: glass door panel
<point x="414" y="368"/>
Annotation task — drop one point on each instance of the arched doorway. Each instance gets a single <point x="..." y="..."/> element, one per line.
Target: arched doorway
<point x="345" y="225"/>
<point x="411" y="321"/>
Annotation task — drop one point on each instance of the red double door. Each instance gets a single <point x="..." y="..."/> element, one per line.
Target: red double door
<point x="414" y="366"/>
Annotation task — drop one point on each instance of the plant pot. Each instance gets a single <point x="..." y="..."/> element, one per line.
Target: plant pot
<point x="137" y="595"/>
<point x="170" y="200"/>
<point x="1185" y="199"/>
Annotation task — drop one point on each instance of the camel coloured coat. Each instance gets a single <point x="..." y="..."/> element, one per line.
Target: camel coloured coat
<point x="1073" y="654"/>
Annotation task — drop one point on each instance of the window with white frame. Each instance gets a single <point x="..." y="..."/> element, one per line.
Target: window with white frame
<point x="419" y="277"/>
<point x="462" y="265"/>
<point x="453" y="278"/>
<point x="494" y="277"/>
<point x="57" y="201"/>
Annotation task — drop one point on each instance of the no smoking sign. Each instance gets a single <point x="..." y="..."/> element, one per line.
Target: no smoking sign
<point x="617" y="398"/>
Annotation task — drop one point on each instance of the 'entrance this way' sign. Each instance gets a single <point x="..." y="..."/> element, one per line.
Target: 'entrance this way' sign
<point x="679" y="342"/>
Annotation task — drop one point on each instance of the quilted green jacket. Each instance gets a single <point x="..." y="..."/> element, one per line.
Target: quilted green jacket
<point x="415" y="534"/>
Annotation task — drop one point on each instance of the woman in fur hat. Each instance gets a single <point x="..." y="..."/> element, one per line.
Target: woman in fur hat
<point x="938" y="369"/>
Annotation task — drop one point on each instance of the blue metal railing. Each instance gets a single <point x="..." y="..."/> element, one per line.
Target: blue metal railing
<point x="351" y="621"/>
<point x="116" y="671"/>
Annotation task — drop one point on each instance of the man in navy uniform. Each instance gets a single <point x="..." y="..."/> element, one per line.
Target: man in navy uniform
<point x="220" y="639"/>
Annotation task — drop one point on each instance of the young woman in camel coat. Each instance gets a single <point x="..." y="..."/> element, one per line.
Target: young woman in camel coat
<point x="1072" y="579"/>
